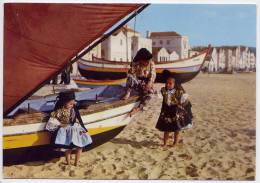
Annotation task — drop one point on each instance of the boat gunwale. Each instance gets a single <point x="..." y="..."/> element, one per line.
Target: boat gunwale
<point x="44" y="130"/>
<point x="104" y="61"/>
<point x="40" y="116"/>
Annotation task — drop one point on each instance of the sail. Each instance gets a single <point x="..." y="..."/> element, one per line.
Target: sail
<point x="40" y="39"/>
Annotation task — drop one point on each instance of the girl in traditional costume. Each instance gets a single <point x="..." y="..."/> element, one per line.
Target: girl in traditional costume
<point x="141" y="77"/>
<point x="70" y="132"/>
<point x="175" y="112"/>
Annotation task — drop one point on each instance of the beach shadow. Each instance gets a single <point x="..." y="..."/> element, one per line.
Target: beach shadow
<point x="135" y="144"/>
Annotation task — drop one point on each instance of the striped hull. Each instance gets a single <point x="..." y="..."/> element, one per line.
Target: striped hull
<point x="45" y="152"/>
<point x="183" y="70"/>
<point x="21" y="141"/>
<point x="97" y="83"/>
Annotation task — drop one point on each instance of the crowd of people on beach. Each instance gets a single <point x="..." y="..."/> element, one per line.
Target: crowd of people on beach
<point x="67" y="128"/>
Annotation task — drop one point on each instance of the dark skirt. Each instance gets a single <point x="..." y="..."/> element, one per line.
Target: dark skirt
<point x="173" y="118"/>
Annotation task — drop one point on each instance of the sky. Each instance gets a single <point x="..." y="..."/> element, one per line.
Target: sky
<point x="204" y="24"/>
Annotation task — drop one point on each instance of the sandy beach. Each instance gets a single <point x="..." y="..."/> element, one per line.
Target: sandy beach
<point x="220" y="146"/>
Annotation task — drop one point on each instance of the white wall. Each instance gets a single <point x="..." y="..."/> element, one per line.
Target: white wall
<point x="174" y="56"/>
<point x="140" y="42"/>
<point x="179" y="44"/>
<point x="213" y="63"/>
<point x="162" y="55"/>
<point x="123" y="46"/>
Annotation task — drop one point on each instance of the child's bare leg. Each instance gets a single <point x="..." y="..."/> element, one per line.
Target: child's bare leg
<point x="165" y="138"/>
<point x="78" y="152"/>
<point x="176" y="138"/>
<point x="67" y="155"/>
<point x="127" y="94"/>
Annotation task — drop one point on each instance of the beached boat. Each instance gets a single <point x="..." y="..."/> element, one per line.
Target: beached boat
<point x="100" y="70"/>
<point x="40" y="41"/>
<point x="102" y="111"/>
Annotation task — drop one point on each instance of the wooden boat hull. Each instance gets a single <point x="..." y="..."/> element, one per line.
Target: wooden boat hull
<point x="46" y="152"/>
<point x="183" y="70"/>
<point x="25" y="141"/>
<point x="86" y="83"/>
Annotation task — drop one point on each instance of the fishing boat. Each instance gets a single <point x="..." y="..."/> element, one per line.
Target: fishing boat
<point x="40" y="41"/>
<point x="102" y="111"/>
<point x="97" y="70"/>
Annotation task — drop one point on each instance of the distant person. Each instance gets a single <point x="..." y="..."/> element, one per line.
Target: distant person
<point x="141" y="77"/>
<point x="175" y="112"/>
<point x="63" y="76"/>
<point x="69" y="131"/>
<point x="69" y="71"/>
<point x="54" y="80"/>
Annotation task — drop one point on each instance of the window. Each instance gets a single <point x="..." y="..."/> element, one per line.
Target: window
<point x="168" y="42"/>
<point x="154" y="43"/>
<point x="161" y="42"/>
<point x="121" y="59"/>
<point x="121" y="42"/>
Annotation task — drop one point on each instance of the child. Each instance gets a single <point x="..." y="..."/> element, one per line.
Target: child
<point x="141" y="77"/>
<point x="71" y="133"/>
<point x="171" y="120"/>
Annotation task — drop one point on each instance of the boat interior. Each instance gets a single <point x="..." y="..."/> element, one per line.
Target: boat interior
<point x="37" y="109"/>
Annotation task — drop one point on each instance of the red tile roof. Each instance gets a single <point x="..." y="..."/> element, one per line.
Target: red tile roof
<point x="162" y="34"/>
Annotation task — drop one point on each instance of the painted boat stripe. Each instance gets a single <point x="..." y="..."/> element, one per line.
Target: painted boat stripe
<point x="116" y="82"/>
<point x="158" y="70"/>
<point x="42" y="138"/>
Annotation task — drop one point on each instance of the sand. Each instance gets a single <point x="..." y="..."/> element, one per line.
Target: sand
<point x="220" y="146"/>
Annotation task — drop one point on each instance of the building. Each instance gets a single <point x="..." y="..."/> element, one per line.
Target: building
<point x="231" y="58"/>
<point x="252" y="61"/>
<point x="244" y="59"/>
<point x="123" y="45"/>
<point x="161" y="54"/>
<point x="139" y="42"/>
<point x="213" y="63"/>
<point x="96" y="52"/>
<point x="171" y="41"/>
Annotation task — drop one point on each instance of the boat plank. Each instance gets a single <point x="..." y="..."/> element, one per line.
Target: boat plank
<point x="36" y="117"/>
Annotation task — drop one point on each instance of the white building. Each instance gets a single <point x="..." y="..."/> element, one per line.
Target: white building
<point x="229" y="58"/>
<point x="161" y="55"/>
<point x="213" y="63"/>
<point x="96" y="52"/>
<point x="139" y="42"/>
<point x="244" y="59"/>
<point x="172" y="41"/>
<point x="123" y="45"/>
<point x="173" y="56"/>
<point x="252" y="61"/>
<point x="221" y="59"/>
